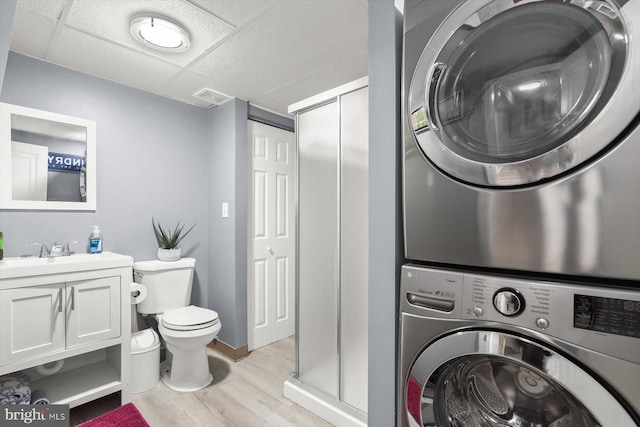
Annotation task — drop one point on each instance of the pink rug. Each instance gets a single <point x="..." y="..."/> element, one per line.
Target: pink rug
<point x="124" y="416"/>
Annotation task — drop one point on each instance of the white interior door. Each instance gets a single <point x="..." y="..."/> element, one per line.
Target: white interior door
<point x="271" y="275"/>
<point x="29" y="169"/>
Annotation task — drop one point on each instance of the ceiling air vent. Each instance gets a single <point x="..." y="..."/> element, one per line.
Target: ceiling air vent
<point x="211" y="96"/>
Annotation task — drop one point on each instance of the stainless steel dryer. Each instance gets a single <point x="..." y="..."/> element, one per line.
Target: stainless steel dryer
<point x="521" y="137"/>
<point x="489" y="351"/>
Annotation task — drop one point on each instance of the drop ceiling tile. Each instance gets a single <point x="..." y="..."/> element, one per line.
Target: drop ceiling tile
<point x="234" y="12"/>
<point x="325" y="79"/>
<point x="272" y="105"/>
<point x="205" y="30"/>
<point x="100" y="58"/>
<point x="282" y="52"/>
<point x="31" y="33"/>
<point x="49" y="8"/>
<point x="292" y="39"/>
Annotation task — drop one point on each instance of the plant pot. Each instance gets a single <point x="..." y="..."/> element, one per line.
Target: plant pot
<point x="169" y="254"/>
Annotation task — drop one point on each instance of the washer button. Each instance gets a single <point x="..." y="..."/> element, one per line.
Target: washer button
<point x="542" y="323"/>
<point x="478" y="311"/>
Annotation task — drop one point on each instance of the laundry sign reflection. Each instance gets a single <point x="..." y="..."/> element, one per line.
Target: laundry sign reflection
<point x="65" y="162"/>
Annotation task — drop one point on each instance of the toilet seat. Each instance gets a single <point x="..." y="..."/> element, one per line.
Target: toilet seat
<point x="189" y="318"/>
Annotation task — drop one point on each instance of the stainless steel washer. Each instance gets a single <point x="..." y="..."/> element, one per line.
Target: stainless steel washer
<point x="479" y="350"/>
<point x="521" y="137"/>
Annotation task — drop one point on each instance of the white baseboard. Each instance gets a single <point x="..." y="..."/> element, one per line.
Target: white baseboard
<point x="326" y="407"/>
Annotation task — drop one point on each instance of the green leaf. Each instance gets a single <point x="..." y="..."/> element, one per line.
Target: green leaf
<point x="168" y="239"/>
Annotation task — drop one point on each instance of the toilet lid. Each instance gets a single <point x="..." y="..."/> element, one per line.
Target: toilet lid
<point x="189" y="318"/>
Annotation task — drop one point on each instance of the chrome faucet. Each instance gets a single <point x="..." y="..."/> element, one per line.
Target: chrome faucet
<point x="44" y="251"/>
<point x="58" y="249"/>
<point x="66" y="251"/>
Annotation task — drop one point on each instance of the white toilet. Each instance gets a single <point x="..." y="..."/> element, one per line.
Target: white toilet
<point x="187" y="329"/>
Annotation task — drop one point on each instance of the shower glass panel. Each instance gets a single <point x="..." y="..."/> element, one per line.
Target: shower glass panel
<point x="318" y="252"/>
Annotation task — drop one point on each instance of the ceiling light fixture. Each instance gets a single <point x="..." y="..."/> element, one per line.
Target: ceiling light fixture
<point x="160" y="34"/>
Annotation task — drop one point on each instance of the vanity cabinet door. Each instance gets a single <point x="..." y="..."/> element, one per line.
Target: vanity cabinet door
<point x="31" y="322"/>
<point x="93" y="310"/>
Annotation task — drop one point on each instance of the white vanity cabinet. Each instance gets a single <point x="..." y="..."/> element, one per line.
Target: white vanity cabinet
<point x="39" y="320"/>
<point x="93" y="310"/>
<point x="31" y="322"/>
<point x="73" y="309"/>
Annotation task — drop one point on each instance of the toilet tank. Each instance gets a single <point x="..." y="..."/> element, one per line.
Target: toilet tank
<point x="168" y="284"/>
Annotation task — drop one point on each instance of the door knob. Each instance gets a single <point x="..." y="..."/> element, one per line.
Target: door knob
<point x="269" y="250"/>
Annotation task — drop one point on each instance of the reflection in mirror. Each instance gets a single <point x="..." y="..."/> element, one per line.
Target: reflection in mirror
<point x="47" y="160"/>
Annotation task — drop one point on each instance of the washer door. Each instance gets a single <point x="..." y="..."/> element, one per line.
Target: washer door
<point x="489" y="379"/>
<point x="510" y="93"/>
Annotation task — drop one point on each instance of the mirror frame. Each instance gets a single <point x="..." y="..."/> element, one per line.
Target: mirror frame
<point x="6" y="197"/>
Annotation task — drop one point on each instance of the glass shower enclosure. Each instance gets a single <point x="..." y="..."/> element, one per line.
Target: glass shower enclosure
<point x="332" y="251"/>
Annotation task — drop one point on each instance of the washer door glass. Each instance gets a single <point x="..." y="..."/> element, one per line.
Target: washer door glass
<point x="488" y="391"/>
<point x="513" y="83"/>
<point x="489" y="379"/>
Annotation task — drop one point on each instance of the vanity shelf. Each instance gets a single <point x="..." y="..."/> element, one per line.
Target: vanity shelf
<point x="76" y="309"/>
<point x="81" y="385"/>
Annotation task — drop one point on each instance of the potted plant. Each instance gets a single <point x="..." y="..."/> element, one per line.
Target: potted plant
<point x="168" y="240"/>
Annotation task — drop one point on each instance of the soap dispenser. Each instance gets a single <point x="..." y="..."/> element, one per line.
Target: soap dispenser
<point x="95" y="241"/>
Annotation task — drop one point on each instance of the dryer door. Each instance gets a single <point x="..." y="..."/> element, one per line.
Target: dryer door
<point x="510" y="93"/>
<point x="488" y="379"/>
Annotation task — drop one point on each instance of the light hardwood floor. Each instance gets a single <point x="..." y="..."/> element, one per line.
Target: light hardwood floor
<point x="245" y="393"/>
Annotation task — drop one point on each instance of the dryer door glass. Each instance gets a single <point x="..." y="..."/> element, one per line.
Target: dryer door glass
<point x="521" y="83"/>
<point x="512" y="86"/>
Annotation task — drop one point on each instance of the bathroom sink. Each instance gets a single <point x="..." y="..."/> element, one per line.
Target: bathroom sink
<point x="33" y="266"/>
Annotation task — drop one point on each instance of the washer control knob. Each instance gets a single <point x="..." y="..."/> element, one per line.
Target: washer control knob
<point x="478" y="311"/>
<point x="542" y="323"/>
<point x="508" y="301"/>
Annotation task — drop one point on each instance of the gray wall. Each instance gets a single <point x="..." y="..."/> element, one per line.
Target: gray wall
<point x="156" y="158"/>
<point x="385" y="217"/>
<point x="228" y="236"/>
<point x="7" y="11"/>
<point x="152" y="159"/>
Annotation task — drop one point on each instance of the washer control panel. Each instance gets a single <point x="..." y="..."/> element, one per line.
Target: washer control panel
<point x="562" y="310"/>
<point x="433" y="293"/>
<point x="595" y="317"/>
<point x="512" y="301"/>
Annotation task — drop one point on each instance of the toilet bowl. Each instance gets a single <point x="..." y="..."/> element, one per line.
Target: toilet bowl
<point x="186" y="329"/>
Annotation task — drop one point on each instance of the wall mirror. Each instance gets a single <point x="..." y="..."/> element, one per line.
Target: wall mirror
<point x="47" y="160"/>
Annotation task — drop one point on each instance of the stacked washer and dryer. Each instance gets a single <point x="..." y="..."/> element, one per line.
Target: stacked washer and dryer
<point x="521" y="305"/>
